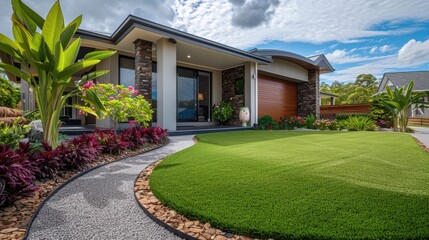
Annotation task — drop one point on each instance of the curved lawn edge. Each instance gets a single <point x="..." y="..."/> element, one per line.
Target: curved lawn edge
<point x="223" y="225"/>
<point x="163" y="224"/>
<point x="66" y="182"/>
<point x="208" y="232"/>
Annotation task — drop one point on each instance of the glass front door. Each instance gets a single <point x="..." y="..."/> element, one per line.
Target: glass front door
<point x="193" y="95"/>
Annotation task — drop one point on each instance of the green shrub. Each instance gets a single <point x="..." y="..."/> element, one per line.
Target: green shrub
<point x="222" y="112"/>
<point x="310" y="120"/>
<point x="345" y="116"/>
<point x="11" y="134"/>
<point x="359" y="123"/>
<point x="10" y="95"/>
<point x="267" y="123"/>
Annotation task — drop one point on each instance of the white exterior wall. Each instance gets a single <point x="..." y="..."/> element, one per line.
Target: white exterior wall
<point x="166" y="64"/>
<point x="251" y="90"/>
<point x="285" y="69"/>
<point x="111" y="64"/>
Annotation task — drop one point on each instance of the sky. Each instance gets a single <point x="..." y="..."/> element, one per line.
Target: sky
<point x="359" y="36"/>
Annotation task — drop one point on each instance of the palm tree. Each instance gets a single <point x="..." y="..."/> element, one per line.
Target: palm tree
<point x="400" y="101"/>
<point x="48" y="47"/>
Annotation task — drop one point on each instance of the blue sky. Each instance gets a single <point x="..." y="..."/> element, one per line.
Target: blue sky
<point x="359" y="36"/>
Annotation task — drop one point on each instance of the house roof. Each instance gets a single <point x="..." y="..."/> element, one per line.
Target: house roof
<point x="328" y="94"/>
<point x="132" y="22"/>
<point x="315" y="62"/>
<point x="399" y="79"/>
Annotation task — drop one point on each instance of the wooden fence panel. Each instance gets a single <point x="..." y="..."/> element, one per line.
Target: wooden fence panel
<point x="418" y="121"/>
<point x="329" y="111"/>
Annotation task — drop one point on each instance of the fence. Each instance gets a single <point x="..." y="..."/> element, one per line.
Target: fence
<point x="418" y="121"/>
<point x="329" y="111"/>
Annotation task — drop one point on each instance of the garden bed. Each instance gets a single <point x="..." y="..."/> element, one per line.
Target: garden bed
<point x="30" y="172"/>
<point x="14" y="220"/>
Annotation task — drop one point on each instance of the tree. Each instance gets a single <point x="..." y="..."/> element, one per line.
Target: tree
<point x="52" y="53"/>
<point x="400" y="101"/>
<point x="357" y="92"/>
<point x="365" y="80"/>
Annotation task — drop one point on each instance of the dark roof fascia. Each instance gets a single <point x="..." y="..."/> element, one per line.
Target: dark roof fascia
<point x="94" y="36"/>
<point x="132" y="22"/>
<point x="328" y="94"/>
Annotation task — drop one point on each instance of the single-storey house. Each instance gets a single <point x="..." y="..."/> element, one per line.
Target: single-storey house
<point x="183" y="75"/>
<point x="400" y="79"/>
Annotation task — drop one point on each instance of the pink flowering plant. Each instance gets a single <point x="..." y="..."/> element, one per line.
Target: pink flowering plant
<point x="121" y="103"/>
<point x="292" y="122"/>
<point x="325" y="124"/>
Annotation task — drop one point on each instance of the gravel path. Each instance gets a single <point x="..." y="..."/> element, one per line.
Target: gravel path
<point x="101" y="204"/>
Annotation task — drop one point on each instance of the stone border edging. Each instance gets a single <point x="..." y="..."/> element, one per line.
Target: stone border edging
<point x="51" y="194"/>
<point x="143" y="193"/>
<point x="153" y="217"/>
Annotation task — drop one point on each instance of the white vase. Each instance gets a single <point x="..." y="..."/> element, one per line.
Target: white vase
<point x="244" y="116"/>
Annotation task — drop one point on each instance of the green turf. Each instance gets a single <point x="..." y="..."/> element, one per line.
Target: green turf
<point x="295" y="185"/>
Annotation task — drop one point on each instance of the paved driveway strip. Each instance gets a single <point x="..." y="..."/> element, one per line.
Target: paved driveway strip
<point x="422" y="134"/>
<point x="101" y="203"/>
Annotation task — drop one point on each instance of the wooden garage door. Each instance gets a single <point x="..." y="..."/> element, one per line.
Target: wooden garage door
<point x="276" y="98"/>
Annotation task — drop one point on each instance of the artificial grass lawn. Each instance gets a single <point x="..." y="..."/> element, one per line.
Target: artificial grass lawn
<point x="289" y="184"/>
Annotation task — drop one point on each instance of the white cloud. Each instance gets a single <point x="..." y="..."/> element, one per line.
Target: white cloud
<point x="414" y="53"/>
<point x="343" y="56"/>
<point x="385" y="48"/>
<point x="373" y="50"/>
<point x="299" y="20"/>
<point x="290" y="20"/>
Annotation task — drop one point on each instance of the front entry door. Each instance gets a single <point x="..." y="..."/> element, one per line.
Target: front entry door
<point x="193" y="95"/>
<point x="186" y="95"/>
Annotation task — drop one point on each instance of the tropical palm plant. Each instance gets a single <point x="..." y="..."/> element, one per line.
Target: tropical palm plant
<point x="47" y="47"/>
<point x="400" y="101"/>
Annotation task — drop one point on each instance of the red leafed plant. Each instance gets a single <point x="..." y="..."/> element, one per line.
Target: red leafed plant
<point x="110" y="142"/>
<point x="16" y="176"/>
<point x="47" y="161"/>
<point x="133" y="137"/>
<point x="155" y="135"/>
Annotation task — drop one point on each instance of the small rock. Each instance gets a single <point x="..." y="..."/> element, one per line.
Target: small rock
<point x="9" y="230"/>
<point x="220" y="237"/>
<point x="188" y="224"/>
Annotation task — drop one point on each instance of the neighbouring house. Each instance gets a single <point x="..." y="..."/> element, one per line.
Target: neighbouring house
<point x="329" y="96"/>
<point x="400" y="79"/>
<point x="183" y="75"/>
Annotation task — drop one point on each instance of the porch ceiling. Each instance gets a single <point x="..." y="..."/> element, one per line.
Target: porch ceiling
<point x="199" y="55"/>
<point x="204" y="56"/>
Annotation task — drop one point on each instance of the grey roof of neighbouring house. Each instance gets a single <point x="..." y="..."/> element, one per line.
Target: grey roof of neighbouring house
<point x="399" y="79"/>
<point x="328" y="94"/>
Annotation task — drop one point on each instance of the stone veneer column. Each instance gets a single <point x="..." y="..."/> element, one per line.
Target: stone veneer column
<point x="308" y="95"/>
<point x="143" y="66"/>
<point x="229" y="77"/>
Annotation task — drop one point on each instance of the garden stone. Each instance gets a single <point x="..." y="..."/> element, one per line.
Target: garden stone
<point x="36" y="131"/>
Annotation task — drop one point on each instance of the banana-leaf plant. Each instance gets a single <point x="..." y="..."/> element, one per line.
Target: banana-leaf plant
<point x="47" y="48"/>
<point x="400" y="101"/>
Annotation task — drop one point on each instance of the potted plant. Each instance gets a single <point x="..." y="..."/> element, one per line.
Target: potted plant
<point x="222" y="112"/>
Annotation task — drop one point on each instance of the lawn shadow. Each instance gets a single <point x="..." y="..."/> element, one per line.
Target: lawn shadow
<point x="255" y="136"/>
